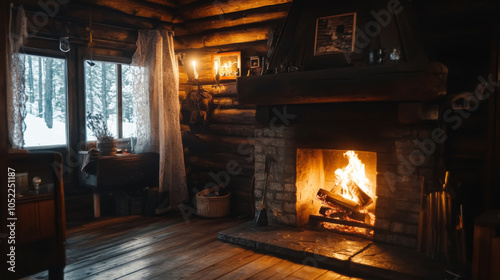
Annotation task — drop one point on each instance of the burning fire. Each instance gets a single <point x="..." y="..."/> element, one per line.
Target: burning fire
<point x="346" y="204"/>
<point x="353" y="173"/>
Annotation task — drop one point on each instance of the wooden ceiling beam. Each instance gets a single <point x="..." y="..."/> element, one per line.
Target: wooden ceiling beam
<point x="259" y="48"/>
<point x="78" y="11"/>
<point x="139" y="9"/>
<point x="79" y="34"/>
<point x="220" y="38"/>
<point x="215" y="8"/>
<point x="258" y="15"/>
<point x="166" y="3"/>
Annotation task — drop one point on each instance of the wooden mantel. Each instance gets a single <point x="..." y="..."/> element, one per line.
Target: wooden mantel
<point x="402" y="82"/>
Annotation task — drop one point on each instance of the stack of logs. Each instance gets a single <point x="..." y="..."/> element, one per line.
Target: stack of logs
<point x="336" y="207"/>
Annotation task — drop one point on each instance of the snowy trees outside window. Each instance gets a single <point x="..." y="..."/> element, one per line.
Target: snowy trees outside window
<point x="46" y="91"/>
<point x="109" y="92"/>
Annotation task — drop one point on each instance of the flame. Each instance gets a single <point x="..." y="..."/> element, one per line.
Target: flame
<point x="351" y="182"/>
<point x="354" y="172"/>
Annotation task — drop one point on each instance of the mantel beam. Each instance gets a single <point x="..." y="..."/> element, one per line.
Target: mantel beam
<point x="400" y="82"/>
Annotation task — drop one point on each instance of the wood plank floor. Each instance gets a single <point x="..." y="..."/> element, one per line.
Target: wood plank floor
<point x="138" y="247"/>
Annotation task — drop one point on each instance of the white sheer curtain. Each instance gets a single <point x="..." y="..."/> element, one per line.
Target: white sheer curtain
<point x="158" y="110"/>
<point x="16" y="97"/>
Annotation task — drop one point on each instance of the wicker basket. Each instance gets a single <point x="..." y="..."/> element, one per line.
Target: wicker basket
<point x="212" y="207"/>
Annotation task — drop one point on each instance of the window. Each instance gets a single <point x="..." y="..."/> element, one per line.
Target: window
<point x="109" y="92"/>
<point x="46" y="91"/>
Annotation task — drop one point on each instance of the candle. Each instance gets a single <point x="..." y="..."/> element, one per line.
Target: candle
<point x="216" y="68"/>
<point x="194" y="70"/>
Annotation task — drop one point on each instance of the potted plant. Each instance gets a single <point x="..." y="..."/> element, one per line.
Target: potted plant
<point x="106" y="142"/>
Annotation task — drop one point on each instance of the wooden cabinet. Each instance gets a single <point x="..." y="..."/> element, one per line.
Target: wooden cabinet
<point x="40" y="224"/>
<point x="121" y="172"/>
<point x="38" y="218"/>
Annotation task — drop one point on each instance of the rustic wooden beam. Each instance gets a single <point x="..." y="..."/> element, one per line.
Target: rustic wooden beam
<point x="121" y="38"/>
<point x="398" y="82"/>
<point x="140" y="9"/>
<point x="186" y="2"/>
<point x="215" y="8"/>
<point x="205" y="143"/>
<point x="268" y="13"/>
<point x="235" y="36"/>
<point x="234" y="116"/>
<point x="259" y="48"/>
<point x="166" y="3"/>
<point x="244" y="130"/>
<point x="218" y="161"/>
<point x="80" y="13"/>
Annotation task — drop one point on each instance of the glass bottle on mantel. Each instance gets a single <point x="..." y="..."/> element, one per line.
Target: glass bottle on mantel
<point x="395" y="55"/>
<point x="380" y="56"/>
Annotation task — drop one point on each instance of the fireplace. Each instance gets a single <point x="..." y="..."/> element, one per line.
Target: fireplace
<point x="313" y="109"/>
<point x="316" y="140"/>
<point x="337" y="188"/>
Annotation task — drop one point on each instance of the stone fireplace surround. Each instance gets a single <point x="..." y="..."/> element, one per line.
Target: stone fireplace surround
<point x="380" y="127"/>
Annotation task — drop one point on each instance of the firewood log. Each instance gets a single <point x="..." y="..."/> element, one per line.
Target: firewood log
<point x="364" y="199"/>
<point x="358" y="216"/>
<point x="331" y="213"/>
<point x="339" y="200"/>
<point x="355" y="190"/>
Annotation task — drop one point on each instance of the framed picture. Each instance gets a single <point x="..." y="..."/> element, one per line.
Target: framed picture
<point x="254" y="62"/>
<point x="335" y="34"/>
<point x="227" y="65"/>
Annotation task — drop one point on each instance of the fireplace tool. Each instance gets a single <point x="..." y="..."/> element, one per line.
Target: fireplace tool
<point x="261" y="218"/>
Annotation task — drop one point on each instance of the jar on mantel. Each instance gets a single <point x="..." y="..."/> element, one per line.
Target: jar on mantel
<point x="107" y="146"/>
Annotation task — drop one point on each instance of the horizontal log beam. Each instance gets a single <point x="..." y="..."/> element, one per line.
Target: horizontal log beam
<point x="202" y="143"/>
<point x="229" y="37"/>
<point x="139" y="9"/>
<point x="398" y="82"/>
<point x="248" y="48"/>
<point x="219" y="162"/>
<point x="80" y="13"/>
<point x="259" y="15"/>
<point x="166" y="3"/>
<point x="234" y="116"/>
<point x="245" y="130"/>
<point x="215" y="8"/>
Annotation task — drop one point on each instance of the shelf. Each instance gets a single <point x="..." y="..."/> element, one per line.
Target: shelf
<point x="405" y="82"/>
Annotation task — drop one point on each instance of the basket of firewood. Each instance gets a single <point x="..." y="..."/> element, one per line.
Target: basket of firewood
<point x="213" y="203"/>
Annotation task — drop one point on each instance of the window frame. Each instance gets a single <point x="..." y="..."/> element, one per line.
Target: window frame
<point x="59" y="55"/>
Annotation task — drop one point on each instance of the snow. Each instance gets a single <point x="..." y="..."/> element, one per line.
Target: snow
<point x="38" y="134"/>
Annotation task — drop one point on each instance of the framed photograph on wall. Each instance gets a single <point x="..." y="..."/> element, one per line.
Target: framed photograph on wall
<point x="335" y="34"/>
<point x="227" y="65"/>
<point x="254" y="62"/>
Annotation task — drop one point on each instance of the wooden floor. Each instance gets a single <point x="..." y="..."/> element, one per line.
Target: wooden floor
<point x="138" y="247"/>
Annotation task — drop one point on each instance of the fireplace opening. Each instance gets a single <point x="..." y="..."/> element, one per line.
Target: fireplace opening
<point x="337" y="188"/>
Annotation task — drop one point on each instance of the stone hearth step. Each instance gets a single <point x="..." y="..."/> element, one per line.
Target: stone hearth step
<point x="347" y="254"/>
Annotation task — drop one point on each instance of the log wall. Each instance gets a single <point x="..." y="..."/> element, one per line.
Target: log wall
<point x="448" y="38"/>
<point x="227" y="135"/>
